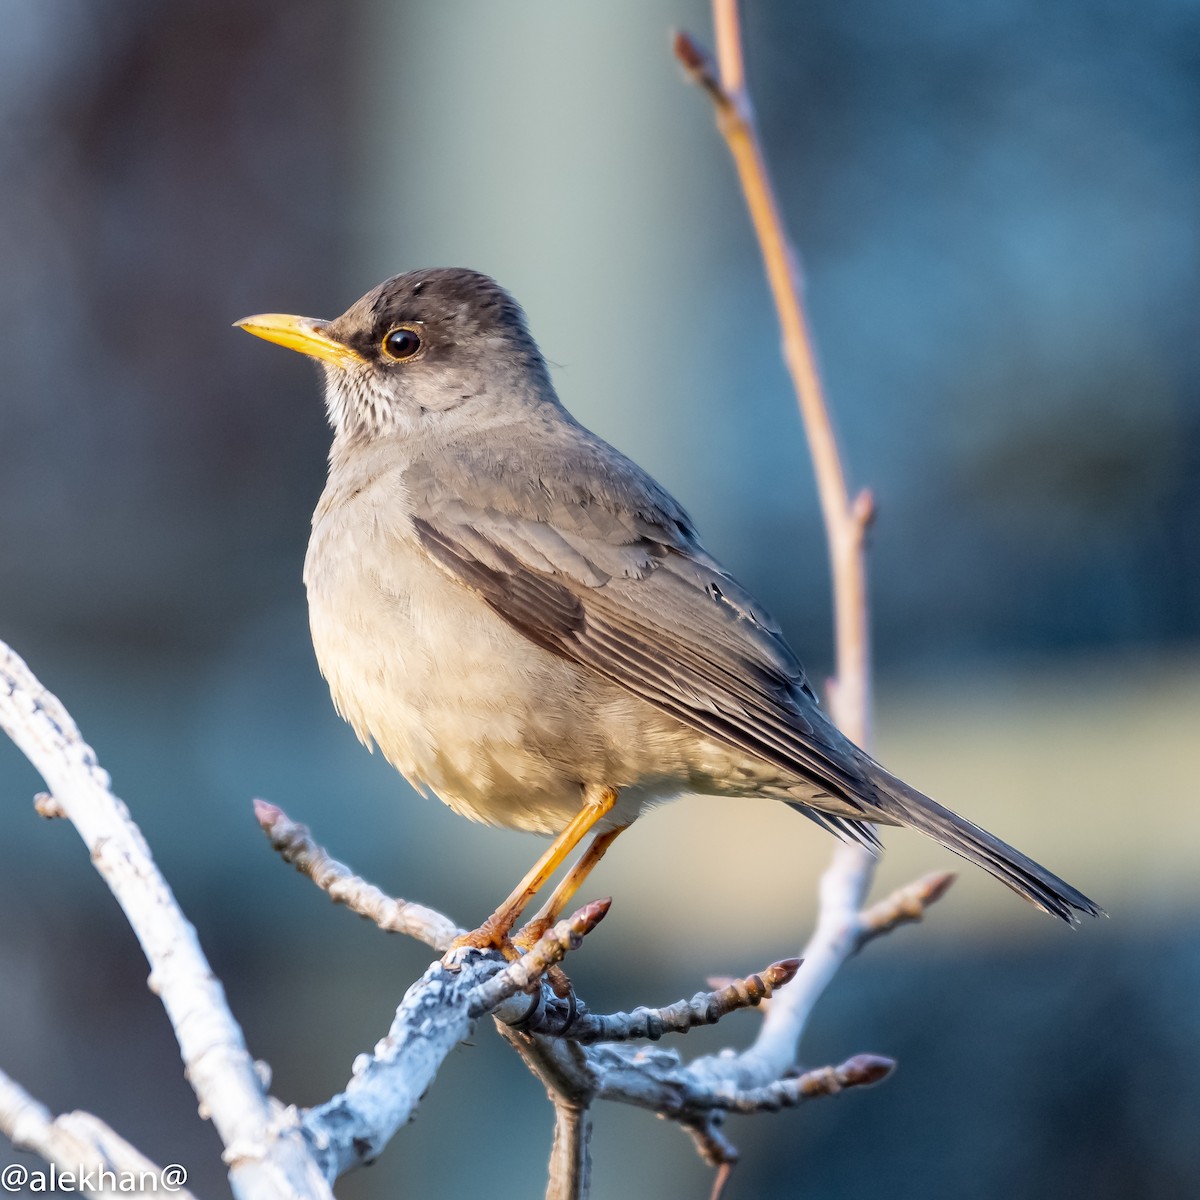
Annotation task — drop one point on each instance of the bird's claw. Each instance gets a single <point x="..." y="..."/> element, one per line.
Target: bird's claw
<point x="561" y="986"/>
<point x="529" y="935"/>
<point x="489" y="936"/>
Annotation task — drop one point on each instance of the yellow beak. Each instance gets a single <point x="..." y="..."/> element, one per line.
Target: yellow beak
<point x="305" y="334"/>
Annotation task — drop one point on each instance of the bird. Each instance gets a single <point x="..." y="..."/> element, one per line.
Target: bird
<point x="528" y="626"/>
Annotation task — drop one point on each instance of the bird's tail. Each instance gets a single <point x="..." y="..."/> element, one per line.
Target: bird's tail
<point x="905" y="805"/>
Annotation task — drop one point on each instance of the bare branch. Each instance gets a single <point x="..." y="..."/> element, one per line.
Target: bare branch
<point x="845" y="524"/>
<point x="721" y="1178"/>
<point x="727" y="26"/>
<point x="848" y="878"/>
<point x="437" y="1013"/>
<point x="75" y="1142"/>
<point x="688" y="1093"/>
<point x="297" y="846"/>
<point x="570" y="1157"/>
<point x="861" y="1070"/>
<point x="221" y="1072"/>
<point x="842" y="930"/>
<point x="713" y="1147"/>
<point x="650" y="1024"/>
<point x="386" y="1086"/>
<point x="905" y="906"/>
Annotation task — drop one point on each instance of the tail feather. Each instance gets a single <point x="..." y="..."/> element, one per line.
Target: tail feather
<point x="906" y="806"/>
<point x="855" y="832"/>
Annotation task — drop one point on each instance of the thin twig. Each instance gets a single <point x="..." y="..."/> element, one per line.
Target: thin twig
<point x="657" y="1081"/>
<point x="713" y="1146"/>
<point x="905" y="906"/>
<point x="570" y="1081"/>
<point x="846" y="882"/>
<point x="845" y="523"/>
<point x="842" y="927"/>
<point x="861" y="1070"/>
<point x="721" y="1178"/>
<point x="296" y="845"/>
<point x="650" y="1024"/>
<point x="842" y="930"/>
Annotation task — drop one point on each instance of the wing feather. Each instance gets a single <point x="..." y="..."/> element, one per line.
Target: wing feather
<point x="600" y="566"/>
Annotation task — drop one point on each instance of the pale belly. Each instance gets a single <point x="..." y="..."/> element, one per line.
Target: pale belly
<point x="501" y="730"/>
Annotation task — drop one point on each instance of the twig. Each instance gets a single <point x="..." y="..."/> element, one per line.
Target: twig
<point x="842" y="926"/>
<point x="221" y="1072"/>
<point x="845" y="523"/>
<point x="296" y="845"/>
<point x="721" y="1178"/>
<point x="657" y="1081"/>
<point x="842" y="930"/>
<point x="650" y="1024"/>
<point x="547" y="1015"/>
<point x="859" y="1071"/>
<point x="905" y="906"/>
<point x="713" y="1147"/>
<point x="98" y="1159"/>
<point x="846" y="882"/>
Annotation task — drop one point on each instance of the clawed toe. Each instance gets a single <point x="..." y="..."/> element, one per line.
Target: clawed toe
<point x="529" y="935"/>
<point x="488" y="936"/>
<point x="560" y="985"/>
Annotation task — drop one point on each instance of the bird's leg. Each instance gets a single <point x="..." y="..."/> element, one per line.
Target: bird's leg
<point x="570" y="884"/>
<point x="550" y="911"/>
<point x="493" y="933"/>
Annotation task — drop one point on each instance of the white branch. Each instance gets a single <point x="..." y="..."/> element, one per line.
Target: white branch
<point x="386" y="1086"/>
<point x="437" y="1013"/>
<point x="843" y="891"/>
<point x="263" y="1163"/>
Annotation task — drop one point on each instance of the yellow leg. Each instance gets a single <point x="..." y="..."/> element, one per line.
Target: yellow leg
<point x="571" y="883"/>
<point x="552" y="909"/>
<point x="493" y="933"/>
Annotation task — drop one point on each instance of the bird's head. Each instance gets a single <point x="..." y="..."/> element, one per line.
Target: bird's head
<point x="422" y="343"/>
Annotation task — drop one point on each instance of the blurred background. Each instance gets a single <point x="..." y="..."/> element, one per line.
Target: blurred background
<point x="996" y="204"/>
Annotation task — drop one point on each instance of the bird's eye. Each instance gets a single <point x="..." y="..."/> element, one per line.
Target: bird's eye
<point x="402" y="343"/>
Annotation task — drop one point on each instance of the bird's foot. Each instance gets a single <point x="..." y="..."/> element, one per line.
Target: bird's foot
<point x="531" y="933"/>
<point x="491" y="935"/>
<point x="561" y="985"/>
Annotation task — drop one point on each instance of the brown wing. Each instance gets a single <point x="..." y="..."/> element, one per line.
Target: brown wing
<point x="591" y="560"/>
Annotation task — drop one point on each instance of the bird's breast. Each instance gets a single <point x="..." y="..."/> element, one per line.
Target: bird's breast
<point x="456" y="700"/>
<point x="463" y="705"/>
